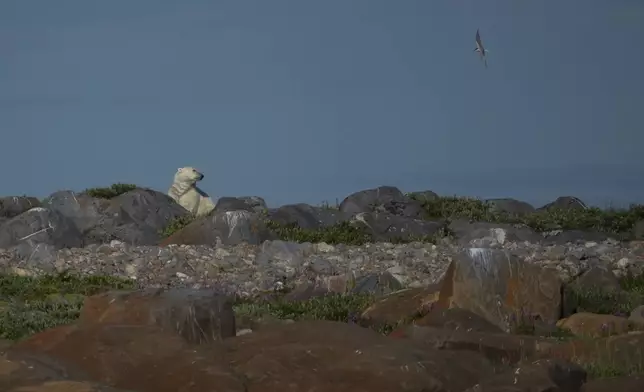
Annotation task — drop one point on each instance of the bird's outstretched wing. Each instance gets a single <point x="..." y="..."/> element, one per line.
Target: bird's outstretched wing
<point x="480" y="48"/>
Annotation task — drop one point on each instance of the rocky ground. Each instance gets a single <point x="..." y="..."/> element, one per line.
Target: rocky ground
<point x="119" y="290"/>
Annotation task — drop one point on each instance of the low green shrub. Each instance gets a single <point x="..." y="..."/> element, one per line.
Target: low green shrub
<point x="177" y="224"/>
<point x="111" y="191"/>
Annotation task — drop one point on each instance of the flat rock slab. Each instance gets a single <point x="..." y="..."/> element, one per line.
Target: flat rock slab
<point x="196" y="315"/>
<point x="400" y="306"/>
<point x="499" y="348"/>
<point x="138" y="358"/>
<point x="539" y="376"/>
<point x="325" y="356"/>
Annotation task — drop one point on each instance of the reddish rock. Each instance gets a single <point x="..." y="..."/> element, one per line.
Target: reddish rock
<point x="457" y="320"/>
<point x="400" y="307"/>
<point x="326" y="356"/>
<point x="539" y="376"/>
<point x="595" y="325"/>
<point x="498" y="286"/>
<point x="196" y="315"/>
<point x="500" y="348"/>
<point x="140" y="358"/>
<point x="623" y="352"/>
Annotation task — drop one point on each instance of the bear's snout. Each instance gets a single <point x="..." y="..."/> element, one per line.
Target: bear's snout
<point x="201" y="176"/>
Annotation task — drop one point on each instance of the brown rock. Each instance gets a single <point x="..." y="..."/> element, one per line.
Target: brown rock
<point x="623" y="352"/>
<point x="400" y="306"/>
<point x="38" y="376"/>
<point x="229" y="227"/>
<point x="457" y="320"/>
<point x="540" y="376"/>
<point x="498" y="286"/>
<point x="615" y="384"/>
<point x="594" y="325"/>
<point x="499" y="348"/>
<point x="14" y="374"/>
<point x="196" y="315"/>
<point x="325" y="356"/>
<point x="140" y="358"/>
<point x="67" y="386"/>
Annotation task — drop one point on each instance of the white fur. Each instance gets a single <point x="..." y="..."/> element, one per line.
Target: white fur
<point x="184" y="191"/>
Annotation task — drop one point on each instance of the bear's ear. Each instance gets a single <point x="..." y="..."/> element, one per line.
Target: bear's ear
<point x="179" y="169"/>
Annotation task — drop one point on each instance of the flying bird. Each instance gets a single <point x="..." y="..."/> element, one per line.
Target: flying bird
<point x="480" y="48"/>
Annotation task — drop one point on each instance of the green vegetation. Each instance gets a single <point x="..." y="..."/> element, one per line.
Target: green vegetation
<point x="110" y="192"/>
<point x="331" y="307"/>
<point x="610" y="302"/>
<point x="177" y="224"/>
<point x="343" y="233"/>
<point x="606" y="369"/>
<point x="31" y="304"/>
<point x="609" y="221"/>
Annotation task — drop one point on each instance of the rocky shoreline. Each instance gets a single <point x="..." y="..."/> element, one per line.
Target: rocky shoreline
<point x="121" y="288"/>
<point x="247" y="270"/>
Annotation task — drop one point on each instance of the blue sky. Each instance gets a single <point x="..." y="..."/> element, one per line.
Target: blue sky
<point x="310" y="100"/>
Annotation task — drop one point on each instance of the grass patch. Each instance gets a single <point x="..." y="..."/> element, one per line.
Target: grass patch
<point x="32" y="304"/>
<point x="600" y="369"/>
<point x="333" y="307"/>
<point x="619" y="303"/>
<point x="111" y="191"/>
<point x="177" y="224"/>
<point x="612" y="221"/>
<point x="342" y="233"/>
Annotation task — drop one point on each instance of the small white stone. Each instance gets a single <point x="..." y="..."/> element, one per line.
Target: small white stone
<point x="624" y="262"/>
<point x="244" y="331"/>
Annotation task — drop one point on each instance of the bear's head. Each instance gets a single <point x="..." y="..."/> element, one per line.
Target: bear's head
<point x="188" y="175"/>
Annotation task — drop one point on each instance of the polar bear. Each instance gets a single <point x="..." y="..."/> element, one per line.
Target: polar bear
<point x="184" y="191"/>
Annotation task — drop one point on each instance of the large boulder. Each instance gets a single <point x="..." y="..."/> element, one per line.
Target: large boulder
<point x="340" y="357"/>
<point x="307" y="217"/>
<point x="135" y="217"/>
<point x="565" y="203"/>
<point x="227" y="227"/>
<point x="387" y="227"/>
<point x="503" y="289"/>
<point x="11" y="206"/>
<point x="382" y="199"/>
<point x="35" y="235"/>
<point x="196" y="315"/>
<point x="131" y="357"/>
<point x="248" y="203"/>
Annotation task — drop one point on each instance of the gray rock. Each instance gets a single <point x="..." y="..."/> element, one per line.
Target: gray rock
<point x="13" y="206"/>
<point x="565" y="203"/>
<point x="389" y="227"/>
<point x="466" y="232"/>
<point x="226" y="227"/>
<point x="382" y="199"/>
<point x="246" y="203"/>
<point x="307" y="217"/>
<point x="291" y="254"/>
<point x="39" y="226"/>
